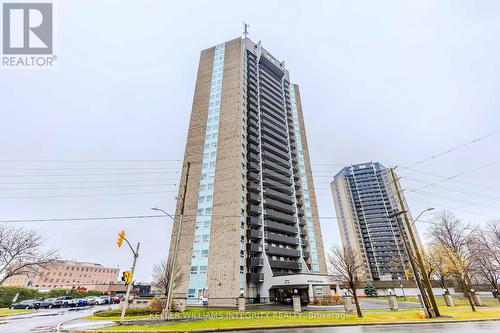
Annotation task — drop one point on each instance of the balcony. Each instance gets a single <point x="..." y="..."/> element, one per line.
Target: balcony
<point x="253" y="176"/>
<point x="255" y="277"/>
<point x="305" y="243"/>
<point x="277" y="176"/>
<point x="280" y="227"/>
<point x="255" y="262"/>
<point x="279" y="206"/>
<point x="253" y="247"/>
<point x="254" y="234"/>
<point x="283" y="264"/>
<point x="254" y="209"/>
<point x="273" y="250"/>
<point x="305" y="255"/>
<point x="254" y="221"/>
<point x="278" y="186"/>
<point x="282" y="153"/>
<point x="276" y="159"/>
<point x="253" y="157"/>
<point x="281" y="239"/>
<point x="302" y="222"/>
<point x="270" y="193"/>
<point x="253" y="197"/>
<point x="275" y="215"/>
<point x="283" y="169"/>
<point x="253" y="186"/>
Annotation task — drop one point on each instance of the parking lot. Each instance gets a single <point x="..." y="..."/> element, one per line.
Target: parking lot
<point x="46" y="320"/>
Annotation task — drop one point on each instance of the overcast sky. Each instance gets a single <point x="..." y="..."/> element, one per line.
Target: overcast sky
<point x="388" y="81"/>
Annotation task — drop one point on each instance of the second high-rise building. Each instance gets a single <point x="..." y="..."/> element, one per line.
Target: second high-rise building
<point x="365" y="198"/>
<point x="250" y="224"/>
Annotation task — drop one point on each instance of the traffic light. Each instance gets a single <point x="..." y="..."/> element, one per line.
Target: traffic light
<point x="127" y="277"/>
<point x="121" y="237"/>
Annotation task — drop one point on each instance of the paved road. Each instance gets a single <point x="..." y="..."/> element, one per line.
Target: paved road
<point x="470" y="327"/>
<point x="44" y="320"/>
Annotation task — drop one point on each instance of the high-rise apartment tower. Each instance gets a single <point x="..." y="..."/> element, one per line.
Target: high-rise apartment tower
<point x="365" y="197"/>
<point x="250" y="225"/>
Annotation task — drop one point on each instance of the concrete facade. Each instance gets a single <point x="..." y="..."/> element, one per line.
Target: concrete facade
<point x="250" y="210"/>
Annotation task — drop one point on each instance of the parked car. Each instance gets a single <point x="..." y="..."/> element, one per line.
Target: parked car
<point x="50" y="303"/>
<point x="67" y="301"/>
<point x="90" y="300"/>
<point x="27" y="304"/>
<point x="116" y="299"/>
<point x="81" y="302"/>
<point x="107" y="299"/>
<point x="99" y="300"/>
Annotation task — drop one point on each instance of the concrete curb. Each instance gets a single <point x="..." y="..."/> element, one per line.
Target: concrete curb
<point x="250" y="328"/>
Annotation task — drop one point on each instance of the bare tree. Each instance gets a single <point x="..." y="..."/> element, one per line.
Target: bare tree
<point x="455" y="238"/>
<point x="346" y="267"/>
<point x="21" y="252"/>
<point x="161" y="276"/>
<point x="486" y="255"/>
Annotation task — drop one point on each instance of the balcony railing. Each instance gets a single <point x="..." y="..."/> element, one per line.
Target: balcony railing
<point x="285" y="264"/>
<point x="255" y="262"/>
<point x="255" y="277"/>
<point x="273" y="250"/>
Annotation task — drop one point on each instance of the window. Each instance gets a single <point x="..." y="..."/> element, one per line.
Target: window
<point x="194" y="270"/>
<point x="203" y="269"/>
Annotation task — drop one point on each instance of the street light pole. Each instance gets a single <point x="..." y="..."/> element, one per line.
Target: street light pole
<point x="168" y="302"/>
<point x="402" y="288"/>
<point x="416" y="248"/>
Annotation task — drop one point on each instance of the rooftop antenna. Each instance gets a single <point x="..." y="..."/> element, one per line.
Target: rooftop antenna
<point x="245" y="29"/>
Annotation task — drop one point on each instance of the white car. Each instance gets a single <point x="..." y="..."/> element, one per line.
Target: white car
<point x="99" y="300"/>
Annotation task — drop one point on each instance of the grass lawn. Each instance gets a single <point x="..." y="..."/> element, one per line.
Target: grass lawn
<point x="269" y="318"/>
<point x="7" y="312"/>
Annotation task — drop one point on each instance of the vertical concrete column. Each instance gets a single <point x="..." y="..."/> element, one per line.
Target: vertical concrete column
<point x="296" y="303"/>
<point x="448" y="300"/>
<point x="393" y="303"/>
<point x="310" y="293"/>
<point x="348" y="304"/>
<point x="241" y="304"/>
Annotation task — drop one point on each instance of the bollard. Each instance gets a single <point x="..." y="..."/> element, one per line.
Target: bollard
<point x="296" y="303"/>
<point x="241" y="303"/>
<point x="448" y="300"/>
<point x="178" y="305"/>
<point x="348" y="304"/>
<point x="476" y="299"/>
<point x="393" y="303"/>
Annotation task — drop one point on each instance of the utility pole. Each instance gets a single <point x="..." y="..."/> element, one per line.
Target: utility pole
<point x="418" y="254"/>
<point x="416" y="275"/>
<point x="176" y="246"/>
<point x="121" y="238"/>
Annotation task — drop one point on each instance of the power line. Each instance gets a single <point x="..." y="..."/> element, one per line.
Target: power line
<point x="81" y="187"/>
<point x="88" y="181"/>
<point x="85" y="219"/>
<point x="455" y="180"/>
<point x="451" y="150"/>
<point x="452" y="177"/>
<point x="85" y="161"/>
<point x="92" y="174"/>
<point x="84" y="195"/>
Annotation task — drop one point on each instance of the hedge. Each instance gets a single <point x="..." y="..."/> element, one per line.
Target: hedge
<point x="7" y="294"/>
<point x="128" y="312"/>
